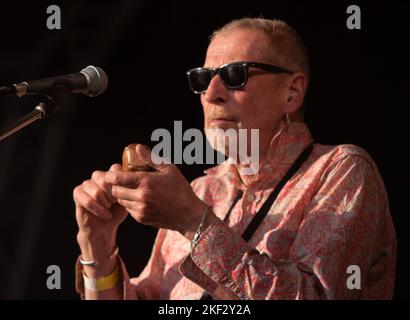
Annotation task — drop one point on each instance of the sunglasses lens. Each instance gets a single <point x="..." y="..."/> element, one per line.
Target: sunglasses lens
<point x="233" y="76"/>
<point x="199" y="79"/>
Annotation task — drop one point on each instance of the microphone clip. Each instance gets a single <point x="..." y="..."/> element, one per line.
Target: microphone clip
<point x="43" y="109"/>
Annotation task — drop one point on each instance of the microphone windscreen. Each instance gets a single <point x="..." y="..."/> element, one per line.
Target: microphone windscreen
<point x="97" y="80"/>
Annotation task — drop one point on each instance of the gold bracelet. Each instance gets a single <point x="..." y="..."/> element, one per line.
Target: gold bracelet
<point x="102" y="283"/>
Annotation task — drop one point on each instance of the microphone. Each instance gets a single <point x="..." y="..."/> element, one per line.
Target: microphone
<point x="90" y="81"/>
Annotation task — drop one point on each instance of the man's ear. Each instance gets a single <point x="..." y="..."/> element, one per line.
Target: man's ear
<point x="296" y="92"/>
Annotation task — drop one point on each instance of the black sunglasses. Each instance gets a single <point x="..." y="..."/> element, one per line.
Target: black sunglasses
<point x="233" y="75"/>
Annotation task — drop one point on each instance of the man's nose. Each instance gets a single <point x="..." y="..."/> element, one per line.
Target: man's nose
<point x="216" y="92"/>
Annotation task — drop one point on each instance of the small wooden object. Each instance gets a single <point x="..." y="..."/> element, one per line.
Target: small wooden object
<point x="131" y="161"/>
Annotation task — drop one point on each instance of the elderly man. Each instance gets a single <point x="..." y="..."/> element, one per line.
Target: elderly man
<point x="322" y="230"/>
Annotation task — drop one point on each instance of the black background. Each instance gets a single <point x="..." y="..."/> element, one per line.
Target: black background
<point x="358" y="94"/>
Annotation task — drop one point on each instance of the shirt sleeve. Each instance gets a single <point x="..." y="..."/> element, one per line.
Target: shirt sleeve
<point x="144" y="287"/>
<point x="347" y="222"/>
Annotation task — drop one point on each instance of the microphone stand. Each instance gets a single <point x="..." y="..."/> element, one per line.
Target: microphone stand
<point x="41" y="110"/>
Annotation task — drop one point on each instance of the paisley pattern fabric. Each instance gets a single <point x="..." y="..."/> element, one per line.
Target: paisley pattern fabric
<point x="329" y="234"/>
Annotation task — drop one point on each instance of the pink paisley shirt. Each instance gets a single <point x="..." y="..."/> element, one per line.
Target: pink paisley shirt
<point x="332" y="214"/>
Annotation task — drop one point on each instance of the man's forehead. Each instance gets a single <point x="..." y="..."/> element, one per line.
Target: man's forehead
<point x="238" y="45"/>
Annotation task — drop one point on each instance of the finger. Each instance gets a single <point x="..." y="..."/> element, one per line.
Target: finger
<point x="150" y="158"/>
<point x="125" y="193"/>
<point x="133" y="206"/>
<point x="143" y="218"/>
<point x="137" y="216"/>
<point x="116" y="167"/>
<point x="125" y="179"/>
<point x="97" y="193"/>
<point x="99" y="178"/>
<point x="83" y="199"/>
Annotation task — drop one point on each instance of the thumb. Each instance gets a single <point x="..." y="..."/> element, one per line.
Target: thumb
<point x="150" y="158"/>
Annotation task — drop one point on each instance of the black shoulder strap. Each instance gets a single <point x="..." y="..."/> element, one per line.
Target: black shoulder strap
<point x="237" y="197"/>
<point x="263" y="211"/>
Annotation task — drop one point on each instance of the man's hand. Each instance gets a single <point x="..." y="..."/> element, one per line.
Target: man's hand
<point x="162" y="198"/>
<point x="98" y="216"/>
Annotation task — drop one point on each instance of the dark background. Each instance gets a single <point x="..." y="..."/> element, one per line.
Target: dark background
<point x="358" y="94"/>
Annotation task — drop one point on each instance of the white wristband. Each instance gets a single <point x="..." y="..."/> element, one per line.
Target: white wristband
<point x="102" y="283"/>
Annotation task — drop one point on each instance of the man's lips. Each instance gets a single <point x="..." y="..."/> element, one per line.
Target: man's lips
<point x="220" y="120"/>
